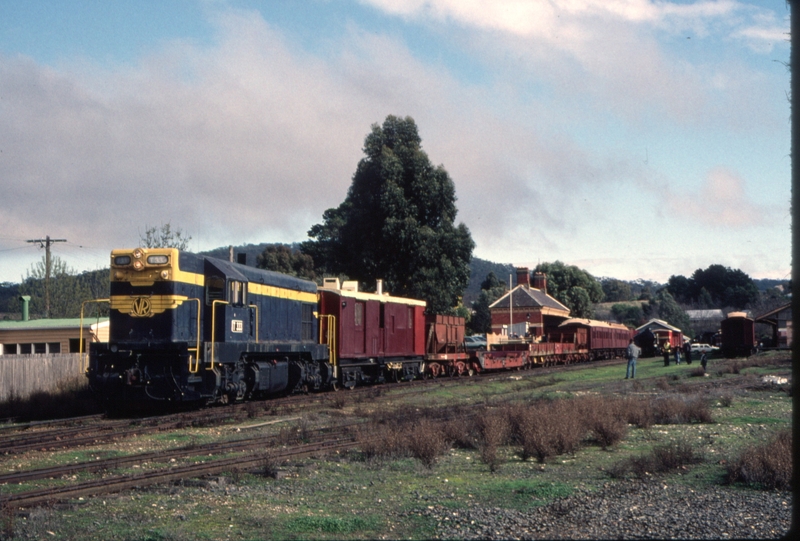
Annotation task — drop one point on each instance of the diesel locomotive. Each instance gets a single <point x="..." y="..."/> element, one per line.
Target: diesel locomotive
<point x="188" y="328"/>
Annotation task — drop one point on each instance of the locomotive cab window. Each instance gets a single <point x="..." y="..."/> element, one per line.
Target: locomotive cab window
<point x="237" y="293"/>
<point x="215" y="289"/>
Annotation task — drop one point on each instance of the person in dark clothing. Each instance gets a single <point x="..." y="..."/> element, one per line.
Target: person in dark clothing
<point x="704" y="361"/>
<point x="687" y="351"/>
<point x="666" y="353"/>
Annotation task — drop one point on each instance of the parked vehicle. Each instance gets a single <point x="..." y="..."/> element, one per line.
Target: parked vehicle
<point x="703" y="348"/>
<point x="475" y="343"/>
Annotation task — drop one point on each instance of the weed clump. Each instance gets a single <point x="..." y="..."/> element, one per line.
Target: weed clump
<point x="548" y="429"/>
<point x="662" y="459"/>
<point x="767" y="466"/>
<point x="494" y="430"/>
<point x="426" y="442"/>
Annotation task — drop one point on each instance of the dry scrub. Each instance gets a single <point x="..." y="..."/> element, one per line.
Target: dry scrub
<point x="768" y="466"/>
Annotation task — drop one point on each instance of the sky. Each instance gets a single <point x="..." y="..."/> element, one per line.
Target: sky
<point x="635" y="139"/>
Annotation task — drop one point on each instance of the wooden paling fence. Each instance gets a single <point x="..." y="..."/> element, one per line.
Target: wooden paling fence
<point x="23" y="375"/>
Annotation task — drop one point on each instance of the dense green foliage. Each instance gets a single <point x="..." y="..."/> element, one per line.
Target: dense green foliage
<point x="663" y="306"/>
<point x="491" y="290"/>
<point x="616" y="290"/>
<point x="397" y="223"/>
<point x="282" y="258"/>
<point x="574" y="288"/>
<point x="715" y="286"/>
<point x="68" y="290"/>
<point x="479" y="270"/>
<point x="628" y="314"/>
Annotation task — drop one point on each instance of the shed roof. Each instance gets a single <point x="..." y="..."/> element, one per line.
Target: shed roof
<point x="41" y="324"/>
<point x="776" y="311"/>
<point x="657" y="323"/>
<point x="528" y="297"/>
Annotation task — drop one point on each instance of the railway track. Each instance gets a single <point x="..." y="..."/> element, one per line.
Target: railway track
<point x="118" y="483"/>
<point x="91" y="430"/>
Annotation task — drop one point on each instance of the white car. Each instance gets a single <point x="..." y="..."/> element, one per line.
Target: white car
<point x="474" y="343"/>
<point x="703" y="348"/>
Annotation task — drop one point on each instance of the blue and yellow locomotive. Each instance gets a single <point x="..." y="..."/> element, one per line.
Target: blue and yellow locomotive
<point x="187" y="328"/>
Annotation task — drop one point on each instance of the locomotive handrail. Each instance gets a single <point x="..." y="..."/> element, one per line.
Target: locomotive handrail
<point x="256" y="307"/>
<point x="85" y="367"/>
<point x="331" y="339"/>
<point x="213" y="325"/>
<point x="196" y="349"/>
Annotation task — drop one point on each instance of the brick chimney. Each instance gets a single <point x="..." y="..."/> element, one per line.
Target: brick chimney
<point x="523" y="277"/>
<point x="540" y="281"/>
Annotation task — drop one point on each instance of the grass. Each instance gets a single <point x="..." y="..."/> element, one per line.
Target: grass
<point x="665" y="424"/>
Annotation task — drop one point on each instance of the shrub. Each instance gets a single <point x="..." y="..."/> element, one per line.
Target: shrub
<point x="697" y="372"/>
<point x="674" y="410"/>
<point x="726" y="400"/>
<point x="768" y="466"/>
<point x="639" y="412"/>
<point x="426" y="442"/>
<point x="663" y="384"/>
<point x="494" y="429"/>
<point x="608" y="431"/>
<point x="459" y="433"/>
<point x="382" y="441"/>
<point x="548" y="429"/>
<point x="661" y="459"/>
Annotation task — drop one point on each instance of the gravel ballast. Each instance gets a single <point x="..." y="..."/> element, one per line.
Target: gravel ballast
<point x="629" y="510"/>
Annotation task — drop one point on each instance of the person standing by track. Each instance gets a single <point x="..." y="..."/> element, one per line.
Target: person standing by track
<point x="633" y="353"/>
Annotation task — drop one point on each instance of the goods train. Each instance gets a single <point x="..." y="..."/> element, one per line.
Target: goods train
<point x="192" y="329"/>
<point x="738" y="335"/>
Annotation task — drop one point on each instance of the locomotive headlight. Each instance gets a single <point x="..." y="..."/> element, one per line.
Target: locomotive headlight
<point x="137" y="253"/>
<point x="165" y="274"/>
<point x="138" y="265"/>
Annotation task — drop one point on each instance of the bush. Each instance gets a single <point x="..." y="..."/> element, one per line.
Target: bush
<point x="767" y="466"/>
<point x="674" y="410"/>
<point x="548" y="429"/>
<point x="426" y="442"/>
<point x="494" y="429"/>
<point x="661" y="459"/>
<point x="382" y="442"/>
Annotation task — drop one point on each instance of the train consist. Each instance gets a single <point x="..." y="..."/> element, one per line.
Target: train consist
<point x="192" y="329"/>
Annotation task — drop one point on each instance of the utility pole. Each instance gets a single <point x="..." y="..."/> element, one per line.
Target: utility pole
<point x="45" y="243"/>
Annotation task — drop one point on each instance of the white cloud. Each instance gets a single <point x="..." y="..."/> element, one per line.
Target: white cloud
<point x="251" y="139"/>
